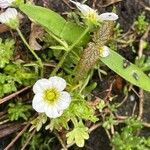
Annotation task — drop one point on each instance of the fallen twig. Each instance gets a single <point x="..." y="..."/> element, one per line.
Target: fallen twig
<point x="61" y="141"/>
<point x="7" y="98"/>
<point x="17" y="137"/>
<point x="28" y="140"/>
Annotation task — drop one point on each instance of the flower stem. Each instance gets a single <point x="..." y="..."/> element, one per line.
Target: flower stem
<point x="31" y="50"/>
<point x="68" y="51"/>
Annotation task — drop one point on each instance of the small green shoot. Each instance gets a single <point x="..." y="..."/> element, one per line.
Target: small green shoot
<point x="18" y="111"/>
<point x="128" y="140"/>
<point x="141" y="24"/>
<point x="78" y="135"/>
<point x="6" y="52"/>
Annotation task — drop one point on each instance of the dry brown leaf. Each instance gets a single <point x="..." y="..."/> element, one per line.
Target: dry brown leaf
<point x="36" y="33"/>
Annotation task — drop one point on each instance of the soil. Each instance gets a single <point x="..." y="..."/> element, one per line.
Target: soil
<point x="127" y="10"/>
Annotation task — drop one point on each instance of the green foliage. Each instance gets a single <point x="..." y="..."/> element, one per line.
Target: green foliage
<point x="89" y="88"/>
<point x="143" y="63"/>
<point x="13" y="76"/>
<point x="81" y="109"/>
<point x="6" y="52"/>
<point x="132" y="73"/>
<point x="141" y="24"/>
<point x="59" y="123"/>
<point x="7" y="84"/>
<point x="67" y="34"/>
<point x="78" y="134"/>
<point x="128" y="140"/>
<point x="108" y="122"/>
<point x="25" y="76"/>
<point x="116" y="36"/>
<point x="61" y="28"/>
<point x="19" y="110"/>
<point x="101" y="105"/>
<point x="37" y="141"/>
<point x="78" y="109"/>
<point x="56" y="24"/>
<point x="38" y="122"/>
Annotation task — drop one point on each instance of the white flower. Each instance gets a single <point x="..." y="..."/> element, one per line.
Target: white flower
<point x="10" y="17"/>
<point x="49" y="96"/>
<point x="104" y="51"/>
<point x="92" y="15"/>
<point x="6" y="3"/>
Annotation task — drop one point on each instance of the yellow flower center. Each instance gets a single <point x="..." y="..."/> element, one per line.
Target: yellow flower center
<point x="101" y="50"/>
<point x="91" y="17"/>
<point x="51" y="95"/>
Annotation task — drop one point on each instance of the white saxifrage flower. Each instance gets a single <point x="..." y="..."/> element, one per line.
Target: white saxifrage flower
<point x="89" y="14"/>
<point x="49" y="96"/>
<point x="10" y="18"/>
<point x="6" y="3"/>
<point x="104" y="51"/>
<point x="92" y="16"/>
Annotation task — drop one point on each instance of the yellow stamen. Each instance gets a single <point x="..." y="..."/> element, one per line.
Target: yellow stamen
<point x="51" y="95"/>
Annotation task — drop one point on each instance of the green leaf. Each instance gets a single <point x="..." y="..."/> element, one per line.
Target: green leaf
<point x="19" y="110"/>
<point x="45" y="17"/>
<point x="59" y="123"/>
<point x="131" y="73"/>
<point x="6" y="52"/>
<point x="80" y="108"/>
<point x="38" y="122"/>
<point x="71" y="32"/>
<point x="79" y="134"/>
<point x="56" y="24"/>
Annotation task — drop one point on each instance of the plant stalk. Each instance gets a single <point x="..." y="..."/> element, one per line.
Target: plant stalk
<point x="31" y="50"/>
<point x="68" y="51"/>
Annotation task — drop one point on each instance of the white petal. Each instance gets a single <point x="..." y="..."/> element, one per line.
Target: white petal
<point x="108" y="16"/>
<point x="82" y="7"/>
<point x="10" y="13"/>
<point x="41" y="85"/>
<point x="52" y="112"/>
<point x="58" y="83"/>
<point x="64" y="101"/>
<point x="2" y="19"/>
<point x="38" y="103"/>
<point x="105" y="51"/>
<point x="5" y="3"/>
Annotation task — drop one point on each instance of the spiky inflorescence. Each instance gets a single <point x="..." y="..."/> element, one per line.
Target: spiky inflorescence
<point x="91" y="54"/>
<point x="104" y="33"/>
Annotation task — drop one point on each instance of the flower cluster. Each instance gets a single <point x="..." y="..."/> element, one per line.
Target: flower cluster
<point x="49" y="96"/>
<point x="91" y="16"/>
<point x="10" y="15"/>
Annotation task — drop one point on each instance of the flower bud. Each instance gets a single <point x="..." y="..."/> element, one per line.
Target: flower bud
<point x="10" y="18"/>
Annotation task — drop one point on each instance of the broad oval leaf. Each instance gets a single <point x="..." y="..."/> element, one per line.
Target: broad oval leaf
<point x="130" y="72"/>
<point x="56" y="24"/>
<point x="45" y="17"/>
